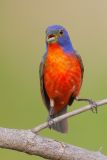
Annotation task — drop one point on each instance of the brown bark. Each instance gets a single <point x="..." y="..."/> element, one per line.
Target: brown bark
<point x="28" y="142"/>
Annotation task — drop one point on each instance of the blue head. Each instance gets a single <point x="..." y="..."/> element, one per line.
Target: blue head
<point x="58" y="34"/>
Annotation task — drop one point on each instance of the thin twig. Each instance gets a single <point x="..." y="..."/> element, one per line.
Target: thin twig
<point x="67" y="115"/>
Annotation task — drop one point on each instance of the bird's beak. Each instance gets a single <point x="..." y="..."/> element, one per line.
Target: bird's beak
<point x="51" y="38"/>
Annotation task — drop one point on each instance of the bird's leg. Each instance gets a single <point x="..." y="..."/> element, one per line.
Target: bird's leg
<point x="51" y="112"/>
<point x="90" y="101"/>
<point x="51" y="107"/>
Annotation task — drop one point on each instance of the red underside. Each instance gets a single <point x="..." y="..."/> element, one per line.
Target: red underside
<point x="62" y="76"/>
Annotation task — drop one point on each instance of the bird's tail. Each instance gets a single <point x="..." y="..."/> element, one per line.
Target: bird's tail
<point x="61" y="126"/>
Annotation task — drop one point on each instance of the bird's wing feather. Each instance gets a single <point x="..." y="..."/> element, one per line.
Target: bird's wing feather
<point x="81" y="63"/>
<point x="42" y="88"/>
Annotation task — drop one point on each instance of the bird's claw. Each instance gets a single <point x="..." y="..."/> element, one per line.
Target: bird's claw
<point x="50" y="122"/>
<point x="93" y="106"/>
<point x="91" y="102"/>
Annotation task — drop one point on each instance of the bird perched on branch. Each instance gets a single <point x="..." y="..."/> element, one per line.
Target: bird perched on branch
<point x="61" y="74"/>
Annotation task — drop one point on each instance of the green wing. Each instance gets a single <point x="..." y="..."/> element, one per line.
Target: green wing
<point x="81" y="63"/>
<point x="42" y="88"/>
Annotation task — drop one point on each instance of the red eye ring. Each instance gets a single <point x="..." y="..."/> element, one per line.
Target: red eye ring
<point x="61" y="32"/>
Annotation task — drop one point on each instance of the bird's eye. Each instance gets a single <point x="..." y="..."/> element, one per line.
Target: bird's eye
<point x="61" y="32"/>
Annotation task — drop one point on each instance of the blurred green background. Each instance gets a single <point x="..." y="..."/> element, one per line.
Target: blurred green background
<point x="22" y="44"/>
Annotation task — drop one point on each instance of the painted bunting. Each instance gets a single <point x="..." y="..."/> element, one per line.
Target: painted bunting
<point x="61" y="74"/>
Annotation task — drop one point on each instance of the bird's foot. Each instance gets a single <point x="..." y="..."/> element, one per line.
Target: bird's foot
<point x="91" y="102"/>
<point x="50" y="122"/>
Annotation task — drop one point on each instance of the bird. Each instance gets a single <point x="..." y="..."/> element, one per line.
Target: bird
<point x="61" y="74"/>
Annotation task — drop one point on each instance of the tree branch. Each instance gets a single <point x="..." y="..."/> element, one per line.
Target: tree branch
<point x="28" y="142"/>
<point x="68" y="115"/>
<point x="31" y="143"/>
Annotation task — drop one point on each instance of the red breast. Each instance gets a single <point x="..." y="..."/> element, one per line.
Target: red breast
<point x="62" y="76"/>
